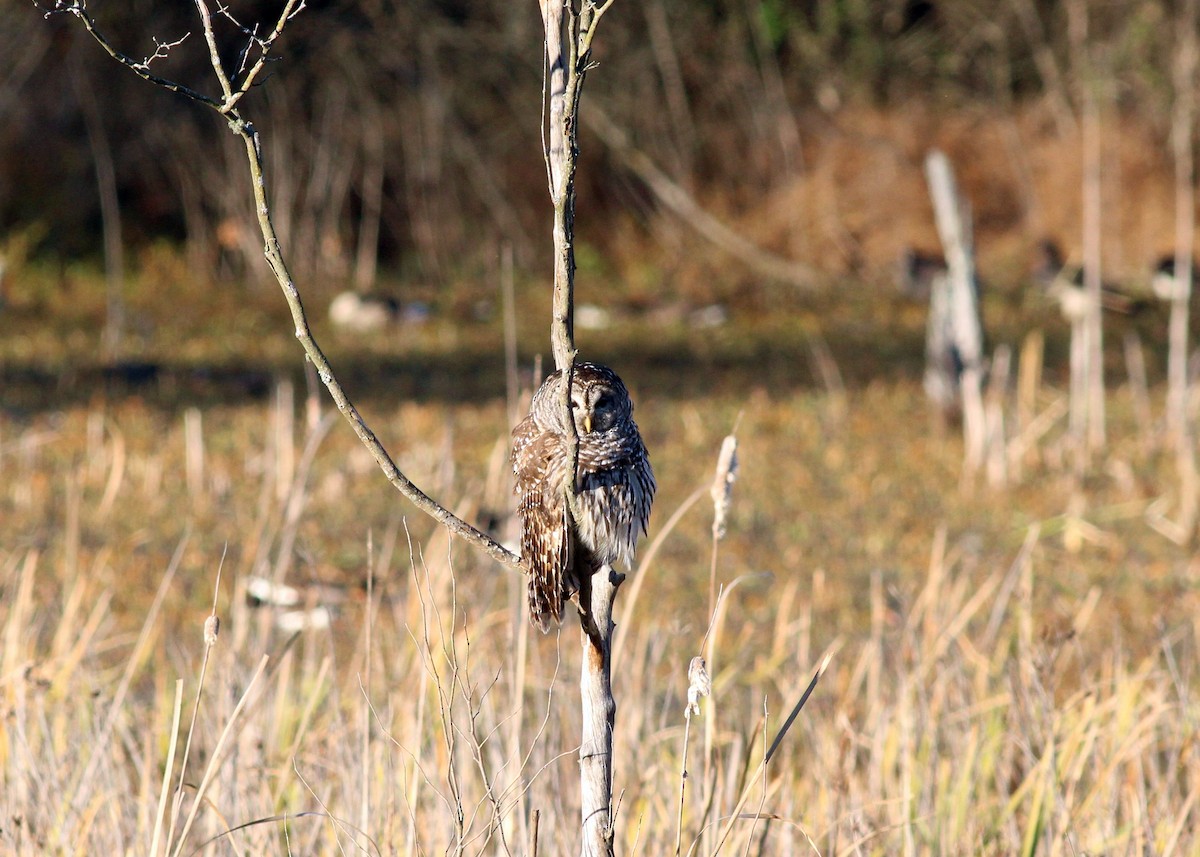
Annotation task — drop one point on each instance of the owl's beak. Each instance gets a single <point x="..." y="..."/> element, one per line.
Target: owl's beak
<point x="587" y="424"/>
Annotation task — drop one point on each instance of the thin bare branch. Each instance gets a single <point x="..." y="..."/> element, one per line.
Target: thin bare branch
<point x="293" y="8"/>
<point x="79" y="10"/>
<point x="274" y="255"/>
<point x="214" y="54"/>
<point x="162" y="50"/>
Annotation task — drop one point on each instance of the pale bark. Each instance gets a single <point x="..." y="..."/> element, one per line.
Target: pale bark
<point x="1087" y="367"/>
<point x="954" y="230"/>
<point x="110" y="217"/>
<point x="1182" y="125"/>
<point x="569" y="30"/>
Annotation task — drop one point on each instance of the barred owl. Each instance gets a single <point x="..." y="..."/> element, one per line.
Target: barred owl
<point x="615" y="486"/>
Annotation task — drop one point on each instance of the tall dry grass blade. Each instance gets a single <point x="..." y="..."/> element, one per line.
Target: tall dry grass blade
<point x="100" y="742"/>
<point x="217" y="757"/>
<point x="1181" y="823"/>
<point x="306" y="717"/>
<point x="709" y="647"/>
<point x="71" y="532"/>
<point x="364" y="710"/>
<point x="519" y="665"/>
<point x="116" y="474"/>
<point x="285" y="817"/>
<point x="762" y="800"/>
<point x="699" y="686"/>
<point x="212" y="626"/>
<point x="1025" y="445"/>
<point x="634" y="587"/>
<point x="70" y="654"/>
<point x="283" y="423"/>
<point x="997" y="389"/>
<point x="733" y="816"/>
<point x="16" y="634"/>
<point x="193" y="444"/>
<point x="831" y="377"/>
<point x="1016" y="573"/>
<point x="1029" y="377"/>
<point x="795" y="712"/>
<point x="1139" y="388"/>
<point x="160" y="814"/>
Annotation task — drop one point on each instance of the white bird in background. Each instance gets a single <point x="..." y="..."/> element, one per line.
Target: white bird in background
<point x="1063" y="282"/>
<point x="367" y="313"/>
<point x="1163" y="282"/>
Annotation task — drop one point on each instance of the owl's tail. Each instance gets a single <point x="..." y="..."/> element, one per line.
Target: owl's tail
<point x="545" y="602"/>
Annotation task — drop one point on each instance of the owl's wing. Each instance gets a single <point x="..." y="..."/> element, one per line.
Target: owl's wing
<point x="546" y="548"/>
<point x="542" y="508"/>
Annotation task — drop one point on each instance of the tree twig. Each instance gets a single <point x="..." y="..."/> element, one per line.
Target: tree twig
<point x="79" y="10"/>
<point x="227" y="106"/>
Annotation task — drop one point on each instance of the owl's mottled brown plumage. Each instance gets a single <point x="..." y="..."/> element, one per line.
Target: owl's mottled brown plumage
<point x="615" y="483"/>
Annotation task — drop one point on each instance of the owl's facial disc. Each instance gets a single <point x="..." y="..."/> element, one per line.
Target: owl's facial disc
<point x="580" y="412"/>
<point x="603" y="411"/>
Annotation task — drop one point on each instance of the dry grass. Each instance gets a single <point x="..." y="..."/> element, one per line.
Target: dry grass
<point x="1007" y="678"/>
<point x="1012" y="671"/>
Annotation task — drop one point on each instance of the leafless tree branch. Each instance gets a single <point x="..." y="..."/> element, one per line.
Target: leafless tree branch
<point x="570" y="26"/>
<point x="79" y="10"/>
<point x="245" y="130"/>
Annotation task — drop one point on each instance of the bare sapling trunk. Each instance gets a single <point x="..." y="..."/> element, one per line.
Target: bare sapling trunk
<point x="569" y="28"/>
<point x="966" y="333"/>
<point x="366" y="257"/>
<point x="1182" y="123"/>
<point x="1092" y="208"/>
<point x="110" y="216"/>
<point x="1087" y="356"/>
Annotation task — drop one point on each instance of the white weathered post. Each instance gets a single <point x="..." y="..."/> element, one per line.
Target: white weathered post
<point x="966" y="334"/>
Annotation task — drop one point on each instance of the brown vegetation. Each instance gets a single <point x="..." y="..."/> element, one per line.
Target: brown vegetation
<point x="1012" y="670"/>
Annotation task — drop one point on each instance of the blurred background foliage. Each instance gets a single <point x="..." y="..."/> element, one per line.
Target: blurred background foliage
<point x="404" y="137"/>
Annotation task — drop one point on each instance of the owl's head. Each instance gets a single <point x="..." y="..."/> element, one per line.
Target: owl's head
<point x="599" y="400"/>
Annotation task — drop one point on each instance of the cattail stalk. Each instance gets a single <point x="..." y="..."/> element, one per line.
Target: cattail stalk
<point x="722" y="495"/>
<point x="699" y="686"/>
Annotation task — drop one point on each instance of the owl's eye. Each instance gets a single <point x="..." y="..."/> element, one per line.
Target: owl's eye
<point x="604" y="402"/>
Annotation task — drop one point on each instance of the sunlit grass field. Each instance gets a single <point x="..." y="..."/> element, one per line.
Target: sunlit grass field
<point x="1011" y="669"/>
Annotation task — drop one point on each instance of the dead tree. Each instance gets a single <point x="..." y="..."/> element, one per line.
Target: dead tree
<point x="1087" y="359"/>
<point x="1183" y="123"/>
<point x="955" y="334"/>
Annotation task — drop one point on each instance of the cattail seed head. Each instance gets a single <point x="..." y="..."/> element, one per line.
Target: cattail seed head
<point x="722" y="487"/>
<point x="699" y="685"/>
<point x="212" y="627"/>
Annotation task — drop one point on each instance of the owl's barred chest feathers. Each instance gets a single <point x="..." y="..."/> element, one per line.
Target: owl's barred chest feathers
<point x="615" y="486"/>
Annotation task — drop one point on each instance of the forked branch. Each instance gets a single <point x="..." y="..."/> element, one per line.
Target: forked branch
<point x="570" y="26"/>
<point x="227" y="106"/>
